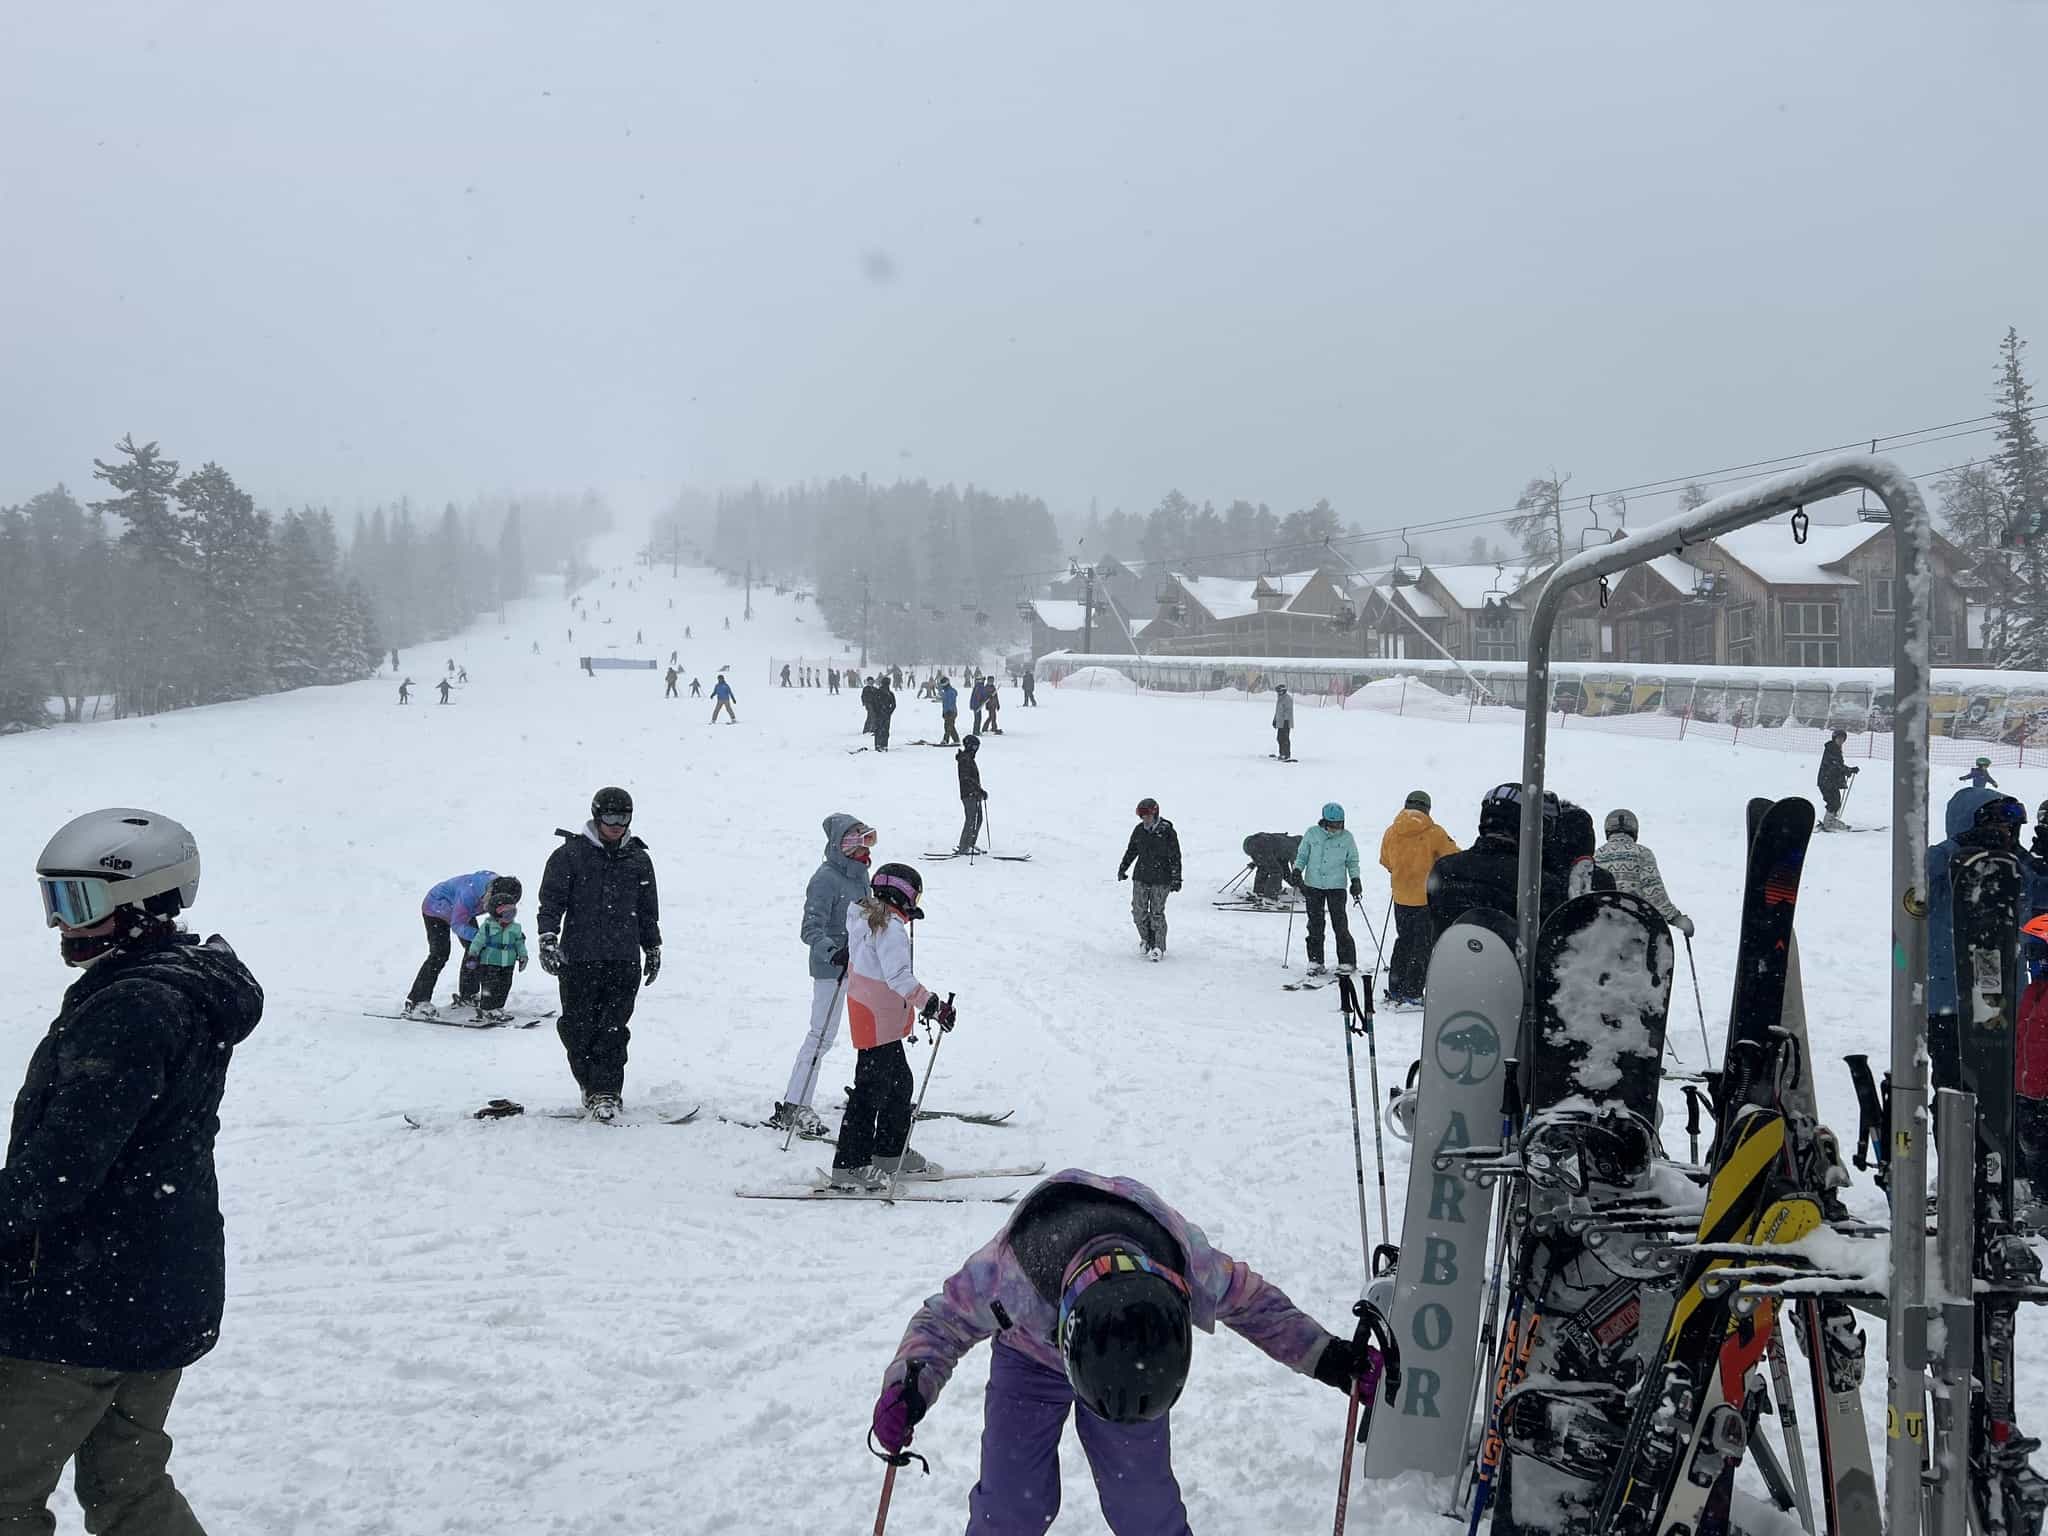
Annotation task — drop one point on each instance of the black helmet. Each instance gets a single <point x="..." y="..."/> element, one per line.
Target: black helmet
<point x="899" y="886"/>
<point x="1623" y="822"/>
<point x="1148" y="806"/>
<point x="970" y="743"/>
<point x="503" y="889"/>
<point x="611" y="801"/>
<point x="1124" y="1335"/>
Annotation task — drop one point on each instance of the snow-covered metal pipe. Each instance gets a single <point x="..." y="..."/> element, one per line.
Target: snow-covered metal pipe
<point x="1949" y="1441"/>
<point x="1907" y="1355"/>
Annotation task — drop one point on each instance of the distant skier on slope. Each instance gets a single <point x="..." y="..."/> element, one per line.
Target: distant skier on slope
<point x="884" y="1001"/>
<point x="966" y="763"/>
<point x="449" y="912"/>
<point x="867" y="704"/>
<point x="1833" y="781"/>
<point x="1980" y="774"/>
<point x="1327" y="861"/>
<point x="1635" y="870"/>
<point x="992" y="707"/>
<point x="1283" y="721"/>
<point x="1153" y="856"/>
<point x="697" y="690"/>
<point x="673" y="674"/>
<point x="949" y="714"/>
<point x="885" y="712"/>
<point x="405" y="691"/>
<point x="600" y="936"/>
<point x="1409" y="849"/>
<point x="1092" y="1292"/>
<point x="1029" y="683"/>
<point x="839" y="881"/>
<point x="722" y="698"/>
<point x="446" y="688"/>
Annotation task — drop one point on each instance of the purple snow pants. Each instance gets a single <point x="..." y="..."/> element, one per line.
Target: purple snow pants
<point x="1019" y="1491"/>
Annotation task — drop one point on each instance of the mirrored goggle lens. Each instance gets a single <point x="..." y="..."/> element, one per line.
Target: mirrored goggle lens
<point x="616" y="819"/>
<point x="75" y="903"/>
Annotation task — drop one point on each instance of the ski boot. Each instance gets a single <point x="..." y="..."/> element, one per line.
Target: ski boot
<point x="864" y="1180"/>
<point x="801" y="1119"/>
<point x="422" y="1010"/>
<point x="1317" y="968"/>
<point x="604" y="1107"/>
<point x="915" y="1165"/>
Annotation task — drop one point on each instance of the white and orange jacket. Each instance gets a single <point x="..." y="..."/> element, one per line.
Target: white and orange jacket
<point x="882" y="996"/>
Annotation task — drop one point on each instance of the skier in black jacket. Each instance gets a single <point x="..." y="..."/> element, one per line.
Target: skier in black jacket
<point x="971" y="792"/>
<point x="885" y="710"/>
<point x="112" y="1260"/>
<point x="600" y="883"/>
<point x="1487" y="873"/>
<point x="1153" y="856"/>
<point x="1833" y="781"/>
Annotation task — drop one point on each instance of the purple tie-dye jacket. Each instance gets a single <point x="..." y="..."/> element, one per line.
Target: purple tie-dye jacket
<point x="1225" y="1291"/>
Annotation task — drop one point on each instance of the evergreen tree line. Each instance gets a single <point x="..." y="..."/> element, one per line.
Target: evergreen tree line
<point x="1243" y="540"/>
<point x="919" y="572"/>
<point x="1997" y="512"/>
<point x="174" y="589"/>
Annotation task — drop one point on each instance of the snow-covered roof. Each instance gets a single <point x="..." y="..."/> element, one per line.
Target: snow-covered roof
<point x="1680" y="573"/>
<point x="1221" y="597"/>
<point x="1421" y="604"/>
<point x="1058" y="613"/>
<point x="1767" y="550"/>
<point x="1469" y="584"/>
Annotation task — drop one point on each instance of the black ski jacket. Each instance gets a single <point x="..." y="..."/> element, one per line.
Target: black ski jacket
<point x="1485" y="875"/>
<point x="112" y="1256"/>
<point x="1153" y="857"/>
<point x="600" y="901"/>
<point x="1834" y="773"/>
<point x="970" y="775"/>
<point x="885" y="703"/>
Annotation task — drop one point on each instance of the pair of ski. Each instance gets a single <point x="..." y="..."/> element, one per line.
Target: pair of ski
<point x="912" y="1188"/>
<point x="466" y="1020"/>
<point x="944" y="854"/>
<point x="508" y="1109"/>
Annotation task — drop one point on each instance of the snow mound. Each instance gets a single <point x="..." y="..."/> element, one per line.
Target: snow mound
<point x="1406" y="696"/>
<point x="1099" y="680"/>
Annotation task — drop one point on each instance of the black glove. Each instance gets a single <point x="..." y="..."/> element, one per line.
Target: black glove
<point x="1357" y="887"/>
<point x="653" y="967"/>
<point x="932" y="1005"/>
<point x="1342" y="1362"/>
<point x="1123" y="874"/>
<point x="1854" y="771"/>
<point x="984" y="794"/>
<point x="1173" y="886"/>
<point x="946" y="1016"/>
<point x="837" y="957"/>
<point x="551" y="954"/>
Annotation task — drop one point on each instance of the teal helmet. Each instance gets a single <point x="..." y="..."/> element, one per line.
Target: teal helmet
<point x="1333" y="812"/>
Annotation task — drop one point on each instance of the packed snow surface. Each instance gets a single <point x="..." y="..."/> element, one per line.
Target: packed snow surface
<point x="546" y="1326"/>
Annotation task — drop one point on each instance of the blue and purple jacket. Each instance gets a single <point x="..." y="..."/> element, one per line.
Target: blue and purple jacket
<point x="457" y="900"/>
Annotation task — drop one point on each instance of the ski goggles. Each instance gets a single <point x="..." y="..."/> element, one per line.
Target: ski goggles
<point x="859" y="835"/>
<point x="616" y="819"/>
<point x="1114" y="1262"/>
<point x="75" y="901"/>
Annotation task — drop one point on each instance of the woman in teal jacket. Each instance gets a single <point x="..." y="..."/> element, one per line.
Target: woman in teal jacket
<point x="1327" y="861"/>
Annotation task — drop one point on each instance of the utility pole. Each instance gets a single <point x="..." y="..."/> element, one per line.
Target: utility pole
<point x="1088" y="614"/>
<point x="749" y="613"/>
<point x="863" y="621"/>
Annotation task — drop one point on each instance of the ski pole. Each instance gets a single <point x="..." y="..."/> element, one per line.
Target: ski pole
<point x="898" y="1459"/>
<point x="946" y="1013"/>
<point x="1692" y="1118"/>
<point x="818" y="1053"/>
<point x="1386" y="928"/>
<point x="1707" y="1058"/>
<point x="1349" y="1000"/>
<point x="1788" y="1421"/>
<point x="1365" y="1389"/>
<point x="1287" y="944"/>
<point x="1379" y="1143"/>
<point x="882" y="1509"/>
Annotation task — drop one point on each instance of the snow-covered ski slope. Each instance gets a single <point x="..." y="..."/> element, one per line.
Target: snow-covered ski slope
<point x="545" y="1326"/>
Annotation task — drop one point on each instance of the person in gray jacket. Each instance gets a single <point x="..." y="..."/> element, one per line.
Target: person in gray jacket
<point x="841" y="880"/>
<point x="1635" y="870"/>
<point x="1283" y="721"/>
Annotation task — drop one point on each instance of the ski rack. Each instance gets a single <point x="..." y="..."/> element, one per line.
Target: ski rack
<point x="1910" y="1353"/>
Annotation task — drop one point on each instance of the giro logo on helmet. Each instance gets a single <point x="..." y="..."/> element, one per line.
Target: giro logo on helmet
<point x="114" y="861"/>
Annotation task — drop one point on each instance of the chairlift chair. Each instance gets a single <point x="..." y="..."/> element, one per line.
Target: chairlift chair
<point x="1497" y="598"/>
<point x="1398" y="577"/>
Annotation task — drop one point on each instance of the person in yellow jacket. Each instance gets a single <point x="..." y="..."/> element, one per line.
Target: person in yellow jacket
<point x="1409" y="849"/>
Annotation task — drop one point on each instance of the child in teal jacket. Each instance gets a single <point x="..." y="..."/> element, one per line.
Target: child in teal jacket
<point x="498" y="949"/>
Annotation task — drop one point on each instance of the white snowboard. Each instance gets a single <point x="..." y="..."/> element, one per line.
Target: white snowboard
<point x="1469" y="1026"/>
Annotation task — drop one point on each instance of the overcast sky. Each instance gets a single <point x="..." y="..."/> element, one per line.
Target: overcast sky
<point x="1399" y="255"/>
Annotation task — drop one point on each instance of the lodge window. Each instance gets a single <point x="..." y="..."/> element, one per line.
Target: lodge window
<point x="1810" y="634"/>
<point x="1880" y="594"/>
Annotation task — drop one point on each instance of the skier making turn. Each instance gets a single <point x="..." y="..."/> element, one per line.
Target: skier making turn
<point x="112" y="1260"/>
<point x="839" y="881"/>
<point x="1635" y="870"/>
<point x="1092" y="1292"/>
<point x="600" y="936"/>
<point x="1326" y="860"/>
<point x="884" y="1001"/>
<point x="1153" y="855"/>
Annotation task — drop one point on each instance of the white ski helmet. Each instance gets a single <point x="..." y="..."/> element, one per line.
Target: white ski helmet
<point x="119" y="857"/>
<point x="1623" y="822"/>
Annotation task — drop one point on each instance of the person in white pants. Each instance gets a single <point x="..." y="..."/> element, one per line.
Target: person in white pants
<point x="841" y="880"/>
